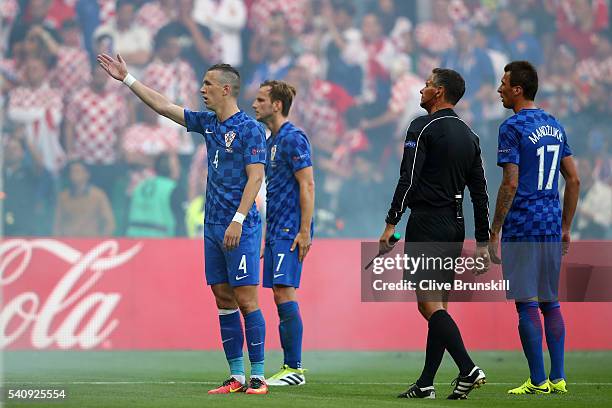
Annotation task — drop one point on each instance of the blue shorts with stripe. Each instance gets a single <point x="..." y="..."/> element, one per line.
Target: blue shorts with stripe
<point x="238" y="267"/>
<point x="281" y="265"/>
<point x="532" y="266"/>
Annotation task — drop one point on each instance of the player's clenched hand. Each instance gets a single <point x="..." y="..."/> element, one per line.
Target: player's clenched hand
<point x="493" y="245"/>
<point x="115" y="68"/>
<point x="482" y="252"/>
<point x="302" y="242"/>
<point x="384" y="245"/>
<point x="565" y="239"/>
<point x="232" y="236"/>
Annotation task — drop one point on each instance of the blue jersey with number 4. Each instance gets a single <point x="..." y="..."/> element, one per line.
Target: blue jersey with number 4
<point x="232" y="145"/>
<point x="536" y="142"/>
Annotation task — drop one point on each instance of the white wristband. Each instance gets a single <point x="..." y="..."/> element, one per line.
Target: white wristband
<point x="239" y="218"/>
<point x="129" y="80"/>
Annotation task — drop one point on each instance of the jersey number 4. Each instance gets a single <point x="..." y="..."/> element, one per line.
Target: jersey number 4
<point x="553" y="167"/>
<point x="216" y="159"/>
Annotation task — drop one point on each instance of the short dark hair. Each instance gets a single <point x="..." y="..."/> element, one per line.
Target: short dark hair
<point x="523" y="74"/>
<point x="163" y="35"/>
<point x="229" y="76"/>
<point x="281" y="91"/>
<point x="452" y="81"/>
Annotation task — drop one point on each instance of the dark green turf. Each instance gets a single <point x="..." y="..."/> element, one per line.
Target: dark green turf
<point x="335" y="379"/>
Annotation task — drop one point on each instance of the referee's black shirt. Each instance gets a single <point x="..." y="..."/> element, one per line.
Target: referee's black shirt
<point x="441" y="157"/>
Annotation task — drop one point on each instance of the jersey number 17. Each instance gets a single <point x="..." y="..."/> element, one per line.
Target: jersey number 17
<point x="553" y="167"/>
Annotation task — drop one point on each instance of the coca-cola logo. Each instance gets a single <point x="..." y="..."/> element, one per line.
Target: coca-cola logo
<point x="87" y="320"/>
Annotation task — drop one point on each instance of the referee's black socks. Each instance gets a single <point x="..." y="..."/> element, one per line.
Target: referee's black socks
<point x="443" y="327"/>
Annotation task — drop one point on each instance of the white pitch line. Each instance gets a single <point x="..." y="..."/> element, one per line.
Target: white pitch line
<point x="213" y="383"/>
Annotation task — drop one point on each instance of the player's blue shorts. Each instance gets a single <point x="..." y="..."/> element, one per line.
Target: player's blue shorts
<point x="238" y="267"/>
<point x="532" y="266"/>
<point x="281" y="266"/>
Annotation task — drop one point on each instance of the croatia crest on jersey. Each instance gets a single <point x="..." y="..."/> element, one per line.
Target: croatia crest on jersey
<point x="229" y="138"/>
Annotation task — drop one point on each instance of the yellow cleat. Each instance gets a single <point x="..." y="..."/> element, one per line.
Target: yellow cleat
<point x="529" y="388"/>
<point x="288" y="376"/>
<point x="560" y="387"/>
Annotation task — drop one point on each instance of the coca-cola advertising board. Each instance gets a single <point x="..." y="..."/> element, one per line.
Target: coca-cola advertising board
<point x="151" y="294"/>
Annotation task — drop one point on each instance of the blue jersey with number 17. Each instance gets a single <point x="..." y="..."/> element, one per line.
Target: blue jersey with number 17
<point x="536" y="142"/>
<point x="231" y="145"/>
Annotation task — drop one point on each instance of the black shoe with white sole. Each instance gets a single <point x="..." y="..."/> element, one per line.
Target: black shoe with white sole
<point x="464" y="384"/>
<point x="416" y="392"/>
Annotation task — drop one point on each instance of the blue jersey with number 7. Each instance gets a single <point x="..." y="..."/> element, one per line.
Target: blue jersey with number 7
<point x="536" y="142"/>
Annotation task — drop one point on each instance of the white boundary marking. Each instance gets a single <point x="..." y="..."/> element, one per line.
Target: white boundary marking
<point x="216" y="382"/>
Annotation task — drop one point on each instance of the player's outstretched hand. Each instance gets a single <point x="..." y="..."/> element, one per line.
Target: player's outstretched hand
<point x="493" y="245"/>
<point x="303" y="243"/>
<point x="231" y="240"/>
<point x="384" y="245"/>
<point x="565" y="240"/>
<point x="117" y="68"/>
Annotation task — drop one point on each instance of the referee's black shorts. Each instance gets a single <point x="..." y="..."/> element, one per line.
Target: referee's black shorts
<point x="435" y="236"/>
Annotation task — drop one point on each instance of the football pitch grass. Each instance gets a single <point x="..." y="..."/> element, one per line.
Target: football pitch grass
<point x="335" y="379"/>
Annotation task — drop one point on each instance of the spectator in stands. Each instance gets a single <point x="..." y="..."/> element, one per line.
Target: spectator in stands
<point x="276" y="64"/>
<point x="155" y="14"/>
<point x="225" y="19"/>
<point x="130" y="40"/>
<point x="9" y="10"/>
<point x="73" y="69"/>
<point x="82" y="210"/>
<point x="35" y="15"/>
<point x="342" y="46"/>
<point x="476" y="68"/>
<point x="434" y="37"/>
<point x="515" y="42"/>
<point x="594" y="214"/>
<point x="95" y="118"/>
<point x="174" y="78"/>
<point x="577" y="21"/>
<point x="156" y="208"/>
<point x="20" y="183"/>
<point x="38" y="107"/>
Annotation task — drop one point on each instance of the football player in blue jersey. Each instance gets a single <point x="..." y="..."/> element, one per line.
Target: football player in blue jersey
<point x="533" y="150"/>
<point x="289" y="211"/>
<point x="236" y="145"/>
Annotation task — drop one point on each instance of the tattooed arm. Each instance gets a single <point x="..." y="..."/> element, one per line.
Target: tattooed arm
<point x="505" y="197"/>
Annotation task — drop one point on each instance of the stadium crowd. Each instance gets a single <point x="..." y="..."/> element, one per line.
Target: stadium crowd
<point x="77" y="145"/>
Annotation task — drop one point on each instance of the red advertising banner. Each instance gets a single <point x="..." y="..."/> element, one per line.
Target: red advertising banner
<point x="151" y="294"/>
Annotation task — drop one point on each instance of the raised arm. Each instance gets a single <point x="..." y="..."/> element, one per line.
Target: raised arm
<point x="158" y="102"/>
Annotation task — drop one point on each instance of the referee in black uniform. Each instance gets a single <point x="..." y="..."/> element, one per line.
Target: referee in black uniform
<point x="441" y="157"/>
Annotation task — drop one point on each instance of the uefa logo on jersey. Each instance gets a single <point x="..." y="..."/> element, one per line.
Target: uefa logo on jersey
<point x="229" y="138"/>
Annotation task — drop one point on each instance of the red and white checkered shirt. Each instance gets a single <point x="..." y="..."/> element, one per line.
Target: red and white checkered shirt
<point x="40" y="111"/>
<point x="292" y="10"/>
<point x="404" y="91"/>
<point x="434" y="38"/>
<point x="98" y="120"/>
<point x="152" y="16"/>
<point x="150" y="140"/>
<point x="176" y="81"/>
<point x="73" y="70"/>
<point x="593" y="71"/>
<point x="107" y="10"/>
